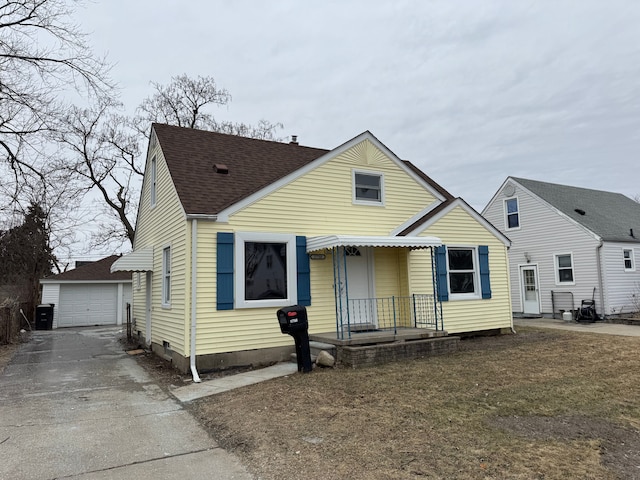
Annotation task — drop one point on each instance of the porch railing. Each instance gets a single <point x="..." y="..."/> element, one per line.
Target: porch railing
<point x="390" y="313"/>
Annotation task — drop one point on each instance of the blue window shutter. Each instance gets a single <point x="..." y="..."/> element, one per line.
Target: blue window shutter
<point x="485" y="280"/>
<point x="441" y="273"/>
<point x="303" y="271"/>
<point x="224" y="269"/>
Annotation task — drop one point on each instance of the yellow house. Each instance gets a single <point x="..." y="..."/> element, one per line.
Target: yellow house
<point x="231" y="229"/>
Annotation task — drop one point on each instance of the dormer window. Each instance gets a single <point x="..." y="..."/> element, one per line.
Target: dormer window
<point x="368" y="188"/>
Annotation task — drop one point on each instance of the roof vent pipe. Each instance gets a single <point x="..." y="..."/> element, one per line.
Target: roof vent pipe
<point x="631" y="232"/>
<point x="294" y="140"/>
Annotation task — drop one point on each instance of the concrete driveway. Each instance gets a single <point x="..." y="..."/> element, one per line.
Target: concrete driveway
<point x="596" y="327"/>
<point x="74" y="405"/>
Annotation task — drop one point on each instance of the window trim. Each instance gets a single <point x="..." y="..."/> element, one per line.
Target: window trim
<point x="556" y="268"/>
<point x="154" y="182"/>
<point x="631" y="259"/>
<point x="517" y="212"/>
<point x="239" y="267"/>
<point x="361" y="201"/>
<point x="166" y="276"/>
<point x="477" y="287"/>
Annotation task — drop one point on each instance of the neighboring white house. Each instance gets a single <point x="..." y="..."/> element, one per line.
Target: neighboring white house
<point x="88" y="295"/>
<point x="569" y="244"/>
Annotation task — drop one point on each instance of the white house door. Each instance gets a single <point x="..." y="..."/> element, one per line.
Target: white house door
<point x="360" y="286"/>
<point x="530" y="297"/>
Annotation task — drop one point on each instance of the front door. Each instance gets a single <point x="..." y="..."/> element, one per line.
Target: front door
<point x="362" y="307"/>
<point x="530" y="297"/>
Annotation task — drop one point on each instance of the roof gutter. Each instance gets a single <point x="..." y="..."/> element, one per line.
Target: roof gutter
<point x="202" y="216"/>
<point x="194" y="278"/>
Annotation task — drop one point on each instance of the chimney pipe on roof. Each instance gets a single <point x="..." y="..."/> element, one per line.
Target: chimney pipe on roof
<point x="294" y="140"/>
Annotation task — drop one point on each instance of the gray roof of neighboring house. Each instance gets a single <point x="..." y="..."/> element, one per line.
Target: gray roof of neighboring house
<point x="609" y="215"/>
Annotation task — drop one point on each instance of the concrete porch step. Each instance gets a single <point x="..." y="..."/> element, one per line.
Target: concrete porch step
<point x="316" y="348"/>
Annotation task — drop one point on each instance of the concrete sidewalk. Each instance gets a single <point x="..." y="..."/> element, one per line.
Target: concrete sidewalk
<point x="74" y="405"/>
<point x="597" y="327"/>
<point x="224" y="384"/>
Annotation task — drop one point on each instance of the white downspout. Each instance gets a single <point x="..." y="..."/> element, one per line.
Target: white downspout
<point x="600" y="279"/>
<point x="194" y="276"/>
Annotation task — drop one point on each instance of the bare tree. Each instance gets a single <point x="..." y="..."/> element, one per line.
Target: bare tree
<point x="104" y="147"/>
<point x="43" y="57"/>
<point x="187" y="102"/>
<point x="104" y="158"/>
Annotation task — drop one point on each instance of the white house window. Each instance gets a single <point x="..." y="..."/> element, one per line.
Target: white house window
<point x="265" y="267"/>
<point x="152" y="181"/>
<point x="629" y="264"/>
<point x="367" y="188"/>
<point x="166" y="276"/>
<point x="564" y="268"/>
<point x="512" y="213"/>
<point x="462" y="268"/>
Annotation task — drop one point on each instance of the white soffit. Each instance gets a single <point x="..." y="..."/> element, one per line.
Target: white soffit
<point x="137" y="261"/>
<point x="329" y="241"/>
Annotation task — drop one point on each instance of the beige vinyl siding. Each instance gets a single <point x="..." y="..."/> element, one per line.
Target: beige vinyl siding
<point x="543" y="233"/>
<point x="161" y="226"/>
<point x="388" y="272"/>
<point x="459" y="228"/>
<point x="249" y="328"/>
<point x="318" y="203"/>
<point x="620" y="285"/>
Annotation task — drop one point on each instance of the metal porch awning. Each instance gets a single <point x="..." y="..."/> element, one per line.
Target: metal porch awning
<point x="137" y="261"/>
<point x="315" y="244"/>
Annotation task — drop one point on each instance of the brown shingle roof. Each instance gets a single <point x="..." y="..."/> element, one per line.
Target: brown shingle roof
<point x="252" y="164"/>
<point x="94" y="271"/>
<point x="429" y="180"/>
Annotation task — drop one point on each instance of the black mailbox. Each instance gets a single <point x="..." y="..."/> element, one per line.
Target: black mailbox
<point x="293" y="321"/>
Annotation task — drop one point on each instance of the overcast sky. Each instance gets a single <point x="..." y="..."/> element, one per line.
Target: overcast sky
<point x="470" y="91"/>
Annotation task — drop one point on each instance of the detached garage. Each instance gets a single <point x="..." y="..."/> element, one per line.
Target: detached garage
<point x="88" y="295"/>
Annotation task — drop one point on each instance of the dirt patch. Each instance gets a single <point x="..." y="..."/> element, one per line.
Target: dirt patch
<point x="619" y="445"/>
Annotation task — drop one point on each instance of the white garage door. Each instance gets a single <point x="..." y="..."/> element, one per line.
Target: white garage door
<point x="82" y="305"/>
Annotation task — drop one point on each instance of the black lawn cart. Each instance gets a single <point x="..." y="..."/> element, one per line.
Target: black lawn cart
<point x="587" y="311"/>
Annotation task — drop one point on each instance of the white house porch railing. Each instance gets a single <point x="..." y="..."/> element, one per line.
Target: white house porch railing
<point x="389" y="313"/>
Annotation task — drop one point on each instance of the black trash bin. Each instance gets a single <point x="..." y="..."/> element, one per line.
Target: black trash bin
<point x="44" y="317"/>
<point x="293" y="321"/>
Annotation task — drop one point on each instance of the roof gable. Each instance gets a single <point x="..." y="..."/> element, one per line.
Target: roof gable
<point x="91" y="272"/>
<point x="611" y="216"/>
<point x="443" y="209"/>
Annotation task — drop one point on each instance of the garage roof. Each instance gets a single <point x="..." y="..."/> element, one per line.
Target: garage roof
<point x="98" y="271"/>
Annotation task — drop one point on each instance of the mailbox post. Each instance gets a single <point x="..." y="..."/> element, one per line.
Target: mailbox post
<point x="293" y="321"/>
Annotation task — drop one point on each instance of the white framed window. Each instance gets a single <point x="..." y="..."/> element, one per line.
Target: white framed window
<point x="166" y="276"/>
<point x="512" y="213"/>
<point x="138" y="281"/>
<point x="152" y="181"/>
<point x="265" y="270"/>
<point x="462" y="268"/>
<point x="368" y="188"/>
<point x="629" y="260"/>
<point x="564" y="268"/>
